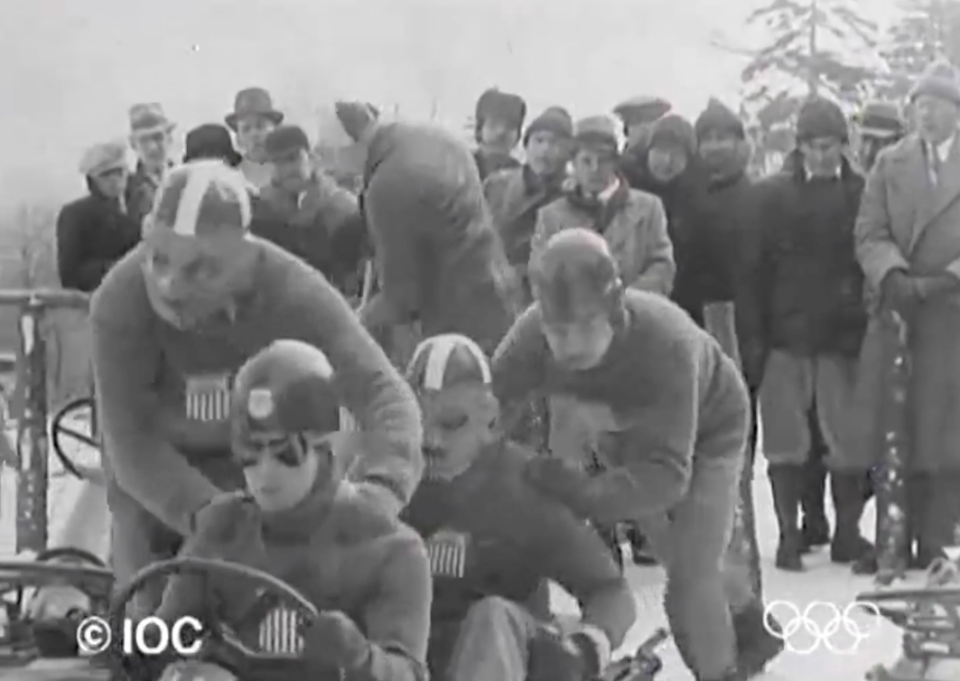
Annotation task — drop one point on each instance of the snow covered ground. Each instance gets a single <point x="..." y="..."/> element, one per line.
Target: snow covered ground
<point x="823" y="581"/>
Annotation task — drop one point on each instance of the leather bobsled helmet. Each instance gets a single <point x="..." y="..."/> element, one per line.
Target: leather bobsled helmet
<point x="285" y="389"/>
<point x="445" y="360"/>
<point x="573" y="272"/>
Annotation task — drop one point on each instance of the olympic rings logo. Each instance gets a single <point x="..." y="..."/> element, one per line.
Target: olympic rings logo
<point x="805" y="631"/>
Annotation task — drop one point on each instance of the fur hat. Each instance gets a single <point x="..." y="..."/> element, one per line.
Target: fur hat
<point x="496" y="104"/>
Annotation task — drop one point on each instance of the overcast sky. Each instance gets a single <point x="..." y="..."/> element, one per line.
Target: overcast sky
<point x="72" y="68"/>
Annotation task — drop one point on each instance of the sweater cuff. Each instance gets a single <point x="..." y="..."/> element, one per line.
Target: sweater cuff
<point x="599" y="643"/>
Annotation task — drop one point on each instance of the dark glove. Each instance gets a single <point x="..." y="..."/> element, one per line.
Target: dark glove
<point x="899" y="292"/>
<point x="333" y="640"/>
<point x="556" y="657"/>
<point x="228" y="528"/>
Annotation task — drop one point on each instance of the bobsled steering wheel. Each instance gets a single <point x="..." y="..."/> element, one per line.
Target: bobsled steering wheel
<point x="64" y="429"/>
<point x="219" y="646"/>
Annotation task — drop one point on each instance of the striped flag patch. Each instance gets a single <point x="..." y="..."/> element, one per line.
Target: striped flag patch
<point x="448" y="554"/>
<point x="280" y="632"/>
<point x="207" y="397"/>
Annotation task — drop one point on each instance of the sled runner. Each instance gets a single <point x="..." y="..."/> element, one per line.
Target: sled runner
<point x="930" y="620"/>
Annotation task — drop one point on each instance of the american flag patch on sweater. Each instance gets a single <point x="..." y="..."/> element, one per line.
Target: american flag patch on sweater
<point x="448" y="554"/>
<point x="280" y="632"/>
<point x="207" y="397"/>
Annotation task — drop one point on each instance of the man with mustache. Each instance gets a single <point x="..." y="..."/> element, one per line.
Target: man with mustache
<point x="175" y="320"/>
<point x="669" y="415"/>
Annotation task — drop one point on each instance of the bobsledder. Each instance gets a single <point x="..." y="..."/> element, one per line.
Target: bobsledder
<point x="930" y="619"/>
<point x="266" y="648"/>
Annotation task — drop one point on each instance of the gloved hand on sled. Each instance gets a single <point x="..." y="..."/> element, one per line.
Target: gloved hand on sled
<point x="555" y="656"/>
<point x="229" y="528"/>
<point x="334" y="640"/>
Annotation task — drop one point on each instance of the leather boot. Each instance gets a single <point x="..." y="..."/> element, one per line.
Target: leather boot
<point x="758" y="641"/>
<point x="937" y="523"/>
<point x="848" y="544"/>
<point x="786" y="481"/>
<point x="815" y="530"/>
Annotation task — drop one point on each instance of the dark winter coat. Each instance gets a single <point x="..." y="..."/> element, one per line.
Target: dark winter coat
<point x="488" y="164"/>
<point x="489" y="533"/>
<point x="809" y="281"/>
<point x="324" y="228"/>
<point x="92" y="234"/>
<point x="514" y="197"/>
<point x="440" y="260"/>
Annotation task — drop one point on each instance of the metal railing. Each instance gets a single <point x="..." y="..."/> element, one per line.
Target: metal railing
<point x="31" y="444"/>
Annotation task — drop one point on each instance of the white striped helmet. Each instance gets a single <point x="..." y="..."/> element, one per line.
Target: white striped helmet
<point x="445" y="360"/>
<point x="202" y="197"/>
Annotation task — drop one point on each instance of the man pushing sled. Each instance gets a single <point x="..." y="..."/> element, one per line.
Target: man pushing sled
<point x="669" y="415"/>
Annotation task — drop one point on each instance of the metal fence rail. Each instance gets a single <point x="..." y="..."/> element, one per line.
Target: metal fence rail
<point x="31" y="442"/>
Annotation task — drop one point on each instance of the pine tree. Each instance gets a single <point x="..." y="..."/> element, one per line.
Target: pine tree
<point x="927" y="30"/>
<point x="799" y="49"/>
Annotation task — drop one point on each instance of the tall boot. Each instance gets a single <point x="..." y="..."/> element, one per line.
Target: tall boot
<point x="815" y="530"/>
<point x="786" y="481"/>
<point x="936" y="525"/>
<point x="759" y="639"/>
<point x="848" y="544"/>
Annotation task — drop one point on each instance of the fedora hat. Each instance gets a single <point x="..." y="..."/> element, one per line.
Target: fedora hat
<point x="149" y="118"/>
<point x="254" y="101"/>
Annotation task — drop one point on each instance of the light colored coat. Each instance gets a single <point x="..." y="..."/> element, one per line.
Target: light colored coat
<point x="637" y="236"/>
<point x="907" y="222"/>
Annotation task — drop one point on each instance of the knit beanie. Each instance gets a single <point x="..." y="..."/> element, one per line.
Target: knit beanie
<point x="596" y="131"/>
<point x="555" y="119"/>
<point x="674" y="130"/>
<point x="939" y="80"/>
<point x="718" y="117"/>
<point x="819" y="117"/>
<point x="355" y="117"/>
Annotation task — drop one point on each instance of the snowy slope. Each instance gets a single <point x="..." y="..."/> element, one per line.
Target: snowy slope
<point x="822" y="582"/>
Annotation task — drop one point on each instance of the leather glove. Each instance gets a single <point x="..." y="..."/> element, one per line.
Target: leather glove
<point x="558" y="479"/>
<point x="556" y="657"/>
<point x="900" y="292"/>
<point x="333" y="640"/>
<point x="228" y="528"/>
